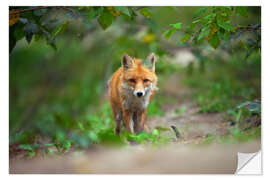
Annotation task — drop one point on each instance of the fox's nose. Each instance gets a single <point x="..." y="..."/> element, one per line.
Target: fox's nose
<point x="139" y="94"/>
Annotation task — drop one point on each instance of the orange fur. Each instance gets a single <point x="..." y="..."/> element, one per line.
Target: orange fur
<point x="131" y="88"/>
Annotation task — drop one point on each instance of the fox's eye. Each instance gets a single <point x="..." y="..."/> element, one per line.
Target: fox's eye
<point x="146" y="80"/>
<point x="132" y="80"/>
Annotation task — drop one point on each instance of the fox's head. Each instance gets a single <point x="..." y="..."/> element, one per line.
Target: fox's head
<point x="139" y="77"/>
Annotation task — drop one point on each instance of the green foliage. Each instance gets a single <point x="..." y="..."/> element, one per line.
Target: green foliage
<point x="181" y="110"/>
<point x="242" y="10"/>
<point x="215" y="25"/>
<point x="174" y="28"/>
<point x="60" y="29"/>
<point x="30" y="29"/>
<point x="169" y="32"/>
<point x="105" y="19"/>
<point x="41" y="22"/>
<point x="252" y="107"/>
<point x="235" y="136"/>
<point x="209" y="139"/>
<point x="246" y="115"/>
<point x="154" y="138"/>
<point x="28" y="147"/>
<point x="222" y="87"/>
<point x="145" y="12"/>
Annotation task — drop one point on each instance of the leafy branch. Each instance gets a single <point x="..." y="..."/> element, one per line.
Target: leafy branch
<point x="214" y="25"/>
<point x="35" y="22"/>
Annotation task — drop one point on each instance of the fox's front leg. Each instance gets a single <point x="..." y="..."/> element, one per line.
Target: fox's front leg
<point x="140" y="121"/>
<point x="127" y="118"/>
<point x="117" y="113"/>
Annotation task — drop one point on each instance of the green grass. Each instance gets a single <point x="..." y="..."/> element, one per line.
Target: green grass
<point x="235" y="136"/>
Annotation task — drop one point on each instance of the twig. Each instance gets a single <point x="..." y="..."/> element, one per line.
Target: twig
<point x="177" y="133"/>
<point x="249" y="28"/>
<point x="30" y="9"/>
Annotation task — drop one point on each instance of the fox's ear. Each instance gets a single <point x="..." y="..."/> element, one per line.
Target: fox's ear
<point x="127" y="61"/>
<point x="151" y="58"/>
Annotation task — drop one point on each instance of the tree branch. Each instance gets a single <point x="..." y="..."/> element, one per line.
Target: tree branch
<point x="249" y="28"/>
<point x="44" y="7"/>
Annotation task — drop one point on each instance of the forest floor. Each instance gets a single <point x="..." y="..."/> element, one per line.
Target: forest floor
<point x="181" y="155"/>
<point x="183" y="114"/>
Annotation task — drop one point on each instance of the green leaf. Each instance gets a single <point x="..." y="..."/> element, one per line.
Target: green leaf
<point x="225" y="25"/>
<point x="243" y="45"/>
<point x="193" y="24"/>
<point x="123" y="10"/>
<point x="214" y="41"/>
<point x="30" y="29"/>
<point x="146" y="13"/>
<point x="210" y="17"/>
<point x="93" y="136"/>
<point x="26" y="147"/>
<point x="132" y="13"/>
<point x="142" y="137"/>
<point x="204" y="32"/>
<point x="200" y="11"/>
<point x="60" y="29"/>
<point x="253" y="107"/>
<point x="196" y="21"/>
<point x="38" y="36"/>
<point x="49" y="144"/>
<point x="168" y="33"/>
<point x="50" y="151"/>
<point x="23" y="20"/>
<point x="18" y="33"/>
<point x="105" y="19"/>
<point x="91" y="14"/>
<point x="185" y="38"/>
<point x="155" y="132"/>
<point x="31" y="154"/>
<point x="81" y="127"/>
<point x="52" y="44"/>
<point x="242" y="11"/>
<point x="60" y="136"/>
<point x="66" y="145"/>
<point x="172" y="8"/>
<point x="176" y="25"/>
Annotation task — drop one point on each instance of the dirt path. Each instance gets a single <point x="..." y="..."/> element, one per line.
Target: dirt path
<point x="193" y="126"/>
<point x="177" y="157"/>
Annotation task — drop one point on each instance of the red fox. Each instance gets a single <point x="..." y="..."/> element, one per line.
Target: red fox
<point x="131" y="88"/>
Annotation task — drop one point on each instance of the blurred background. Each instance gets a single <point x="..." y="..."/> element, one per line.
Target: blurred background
<point x="57" y="86"/>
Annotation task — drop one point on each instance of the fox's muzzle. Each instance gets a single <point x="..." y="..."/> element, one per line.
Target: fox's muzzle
<point x="138" y="93"/>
